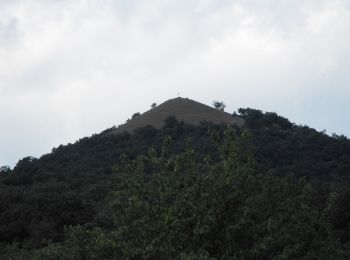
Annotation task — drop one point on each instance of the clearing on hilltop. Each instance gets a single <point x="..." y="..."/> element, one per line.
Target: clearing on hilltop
<point x="184" y="110"/>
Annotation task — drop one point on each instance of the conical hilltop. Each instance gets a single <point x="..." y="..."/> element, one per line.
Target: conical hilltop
<point x="183" y="109"/>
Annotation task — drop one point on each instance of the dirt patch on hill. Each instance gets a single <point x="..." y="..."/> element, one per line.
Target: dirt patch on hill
<point x="185" y="110"/>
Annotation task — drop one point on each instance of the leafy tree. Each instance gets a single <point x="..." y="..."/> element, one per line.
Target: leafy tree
<point x="219" y="105"/>
<point x="25" y="164"/>
<point x="136" y="115"/>
<point x="153" y="105"/>
<point x="5" y="169"/>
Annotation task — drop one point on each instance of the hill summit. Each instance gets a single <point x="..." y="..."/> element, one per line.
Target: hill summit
<point x="183" y="109"/>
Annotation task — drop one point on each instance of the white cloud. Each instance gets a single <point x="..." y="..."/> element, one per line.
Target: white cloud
<point x="72" y="68"/>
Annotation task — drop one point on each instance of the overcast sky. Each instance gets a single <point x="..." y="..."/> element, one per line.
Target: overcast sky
<point x="71" y="68"/>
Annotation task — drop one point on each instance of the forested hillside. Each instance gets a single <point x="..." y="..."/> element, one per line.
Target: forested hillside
<point x="268" y="190"/>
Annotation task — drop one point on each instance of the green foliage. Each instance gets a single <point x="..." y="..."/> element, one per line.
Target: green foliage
<point x="81" y="244"/>
<point x="35" y="210"/>
<point x="172" y="206"/>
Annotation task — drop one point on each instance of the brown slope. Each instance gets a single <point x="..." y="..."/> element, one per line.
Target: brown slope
<point x="185" y="110"/>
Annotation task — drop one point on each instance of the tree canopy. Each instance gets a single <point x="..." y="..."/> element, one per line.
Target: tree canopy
<point x="219" y="105"/>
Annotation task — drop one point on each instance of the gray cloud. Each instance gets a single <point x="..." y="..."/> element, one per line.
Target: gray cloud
<point x="73" y="68"/>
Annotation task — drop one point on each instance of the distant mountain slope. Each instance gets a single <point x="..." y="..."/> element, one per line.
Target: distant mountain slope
<point x="183" y="109"/>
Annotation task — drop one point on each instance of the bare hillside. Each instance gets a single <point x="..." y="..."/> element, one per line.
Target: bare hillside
<point x="185" y="110"/>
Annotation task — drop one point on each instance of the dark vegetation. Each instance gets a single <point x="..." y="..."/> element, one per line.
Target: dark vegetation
<point x="219" y="105"/>
<point x="271" y="190"/>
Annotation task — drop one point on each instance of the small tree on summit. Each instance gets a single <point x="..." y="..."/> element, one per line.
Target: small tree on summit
<point x="219" y="105"/>
<point x="153" y="105"/>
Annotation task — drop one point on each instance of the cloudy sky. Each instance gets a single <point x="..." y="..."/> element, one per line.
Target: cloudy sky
<point x="71" y="68"/>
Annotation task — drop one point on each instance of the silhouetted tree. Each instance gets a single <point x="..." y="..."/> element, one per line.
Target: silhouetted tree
<point x="136" y="115"/>
<point x="219" y="105"/>
<point x="5" y="169"/>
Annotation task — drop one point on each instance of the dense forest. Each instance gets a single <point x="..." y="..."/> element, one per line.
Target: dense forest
<point x="269" y="190"/>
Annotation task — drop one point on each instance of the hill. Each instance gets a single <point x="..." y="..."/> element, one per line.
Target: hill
<point x="184" y="110"/>
<point x="261" y="190"/>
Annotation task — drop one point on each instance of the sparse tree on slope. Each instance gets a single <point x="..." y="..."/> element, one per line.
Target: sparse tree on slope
<point x="219" y="105"/>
